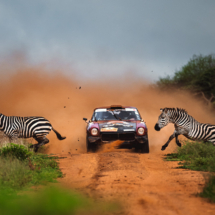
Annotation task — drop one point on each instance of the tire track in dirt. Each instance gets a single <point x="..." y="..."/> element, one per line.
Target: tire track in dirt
<point x="143" y="183"/>
<point x="114" y="171"/>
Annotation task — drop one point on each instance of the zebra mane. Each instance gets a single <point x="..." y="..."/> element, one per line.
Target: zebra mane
<point x="175" y="109"/>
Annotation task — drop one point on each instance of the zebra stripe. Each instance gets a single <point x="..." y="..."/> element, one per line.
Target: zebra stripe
<point x="26" y="127"/>
<point x="186" y="125"/>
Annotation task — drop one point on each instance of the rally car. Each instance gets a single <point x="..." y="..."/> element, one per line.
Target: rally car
<point x="117" y="122"/>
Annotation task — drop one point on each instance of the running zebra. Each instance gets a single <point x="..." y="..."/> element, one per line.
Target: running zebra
<point x="26" y="127"/>
<point x="186" y="125"/>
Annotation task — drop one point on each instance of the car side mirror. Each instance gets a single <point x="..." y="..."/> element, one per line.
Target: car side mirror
<point x="85" y="119"/>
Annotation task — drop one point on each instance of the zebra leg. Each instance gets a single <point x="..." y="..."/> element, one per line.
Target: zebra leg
<point x="13" y="136"/>
<point x="212" y="141"/>
<point x="167" y="143"/>
<point x="41" y="141"/>
<point x="10" y="139"/>
<point x="177" y="141"/>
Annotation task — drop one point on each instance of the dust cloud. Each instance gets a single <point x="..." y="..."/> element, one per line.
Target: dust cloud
<point x="34" y="91"/>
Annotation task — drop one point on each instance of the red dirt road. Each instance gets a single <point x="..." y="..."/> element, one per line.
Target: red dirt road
<point x="143" y="183"/>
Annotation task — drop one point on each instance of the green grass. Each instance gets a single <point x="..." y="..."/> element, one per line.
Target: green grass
<point x="14" y="174"/>
<point x="52" y="201"/>
<point x="21" y="168"/>
<point x="195" y="155"/>
<point x="198" y="156"/>
<point x="209" y="189"/>
<point x="46" y="169"/>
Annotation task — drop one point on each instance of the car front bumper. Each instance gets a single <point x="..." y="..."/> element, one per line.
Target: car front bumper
<point x="109" y="137"/>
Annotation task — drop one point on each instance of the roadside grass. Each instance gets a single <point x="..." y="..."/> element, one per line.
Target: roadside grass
<point x="195" y="155"/>
<point x="198" y="156"/>
<point x="209" y="189"/>
<point x="21" y="169"/>
<point x="53" y="201"/>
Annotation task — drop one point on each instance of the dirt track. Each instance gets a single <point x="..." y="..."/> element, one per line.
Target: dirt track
<point x="144" y="183"/>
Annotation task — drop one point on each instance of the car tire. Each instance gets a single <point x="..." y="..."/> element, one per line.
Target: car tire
<point x="142" y="147"/>
<point x="88" y="145"/>
<point x="145" y="147"/>
<point x="91" y="147"/>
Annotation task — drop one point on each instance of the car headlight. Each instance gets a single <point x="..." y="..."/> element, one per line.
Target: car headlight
<point x="140" y="131"/>
<point x="94" y="131"/>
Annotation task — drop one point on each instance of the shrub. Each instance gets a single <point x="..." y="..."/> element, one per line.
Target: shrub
<point x="196" y="156"/>
<point x="16" y="151"/>
<point x="209" y="189"/>
<point x="53" y="201"/>
<point x="20" y="168"/>
<point x="14" y="174"/>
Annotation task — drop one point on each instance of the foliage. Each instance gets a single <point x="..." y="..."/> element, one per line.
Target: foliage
<point x="209" y="189"/>
<point x="20" y="168"/>
<point x="198" y="156"/>
<point x="53" y="201"/>
<point x="197" y="76"/>
<point x="46" y="169"/>
<point x="204" y="82"/>
<point x="14" y="174"/>
<point x="195" y="67"/>
<point x="16" y="151"/>
<point x="165" y="83"/>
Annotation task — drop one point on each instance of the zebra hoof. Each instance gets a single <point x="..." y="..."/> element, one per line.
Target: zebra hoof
<point x="179" y="144"/>
<point x="163" y="148"/>
<point x="36" y="149"/>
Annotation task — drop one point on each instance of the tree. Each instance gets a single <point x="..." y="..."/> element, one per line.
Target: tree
<point x="197" y="76"/>
<point x="204" y="84"/>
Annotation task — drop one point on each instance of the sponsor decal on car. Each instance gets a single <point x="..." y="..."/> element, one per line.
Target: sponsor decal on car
<point x="128" y="129"/>
<point x="116" y="123"/>
<point x="109" y="129"/>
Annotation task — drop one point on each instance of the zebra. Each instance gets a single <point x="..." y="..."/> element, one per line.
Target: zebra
<point x="26" y="127"/>
<point x="186" y="125"/>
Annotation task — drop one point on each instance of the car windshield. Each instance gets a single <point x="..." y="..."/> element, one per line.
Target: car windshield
<point x="117" y="114"/>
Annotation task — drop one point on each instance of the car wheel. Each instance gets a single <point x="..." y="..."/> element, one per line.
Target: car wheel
<point x="142" y="147"/>
<point x="136" y="146"/>
<point x="91" y="147"/>
<point x="88" y="145"/>
<point x="145" y="147"/>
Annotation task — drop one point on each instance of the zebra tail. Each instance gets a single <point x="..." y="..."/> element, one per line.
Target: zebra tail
<point x="58" y="135"/>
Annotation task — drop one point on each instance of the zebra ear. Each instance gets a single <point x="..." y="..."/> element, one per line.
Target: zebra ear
<point x="161" y="109"/>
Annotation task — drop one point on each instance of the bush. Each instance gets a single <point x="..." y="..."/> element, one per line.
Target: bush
<point x="209" y="189"/>
<point x="196" y="77"/>
<point x="14" y="174"/>
<point x="16" y="151"/>
<point x="196" y="156"/>
<point x="52" y="201"/>
<point x="46" y="169"/>
<point x="20" y="168"/>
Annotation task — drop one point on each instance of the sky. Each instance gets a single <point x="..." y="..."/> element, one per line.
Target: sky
<point x="98" y="38"/>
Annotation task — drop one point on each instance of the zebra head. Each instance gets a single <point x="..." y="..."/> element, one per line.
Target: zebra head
<point x="163" y="119"/>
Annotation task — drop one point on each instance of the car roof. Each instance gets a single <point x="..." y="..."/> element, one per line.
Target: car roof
<point x="114" y="107"/>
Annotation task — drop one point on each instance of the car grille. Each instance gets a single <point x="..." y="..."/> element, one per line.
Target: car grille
<point x="112" y="137"/>
<point x="109" y="137"/>
<point x="128" y="136"/>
